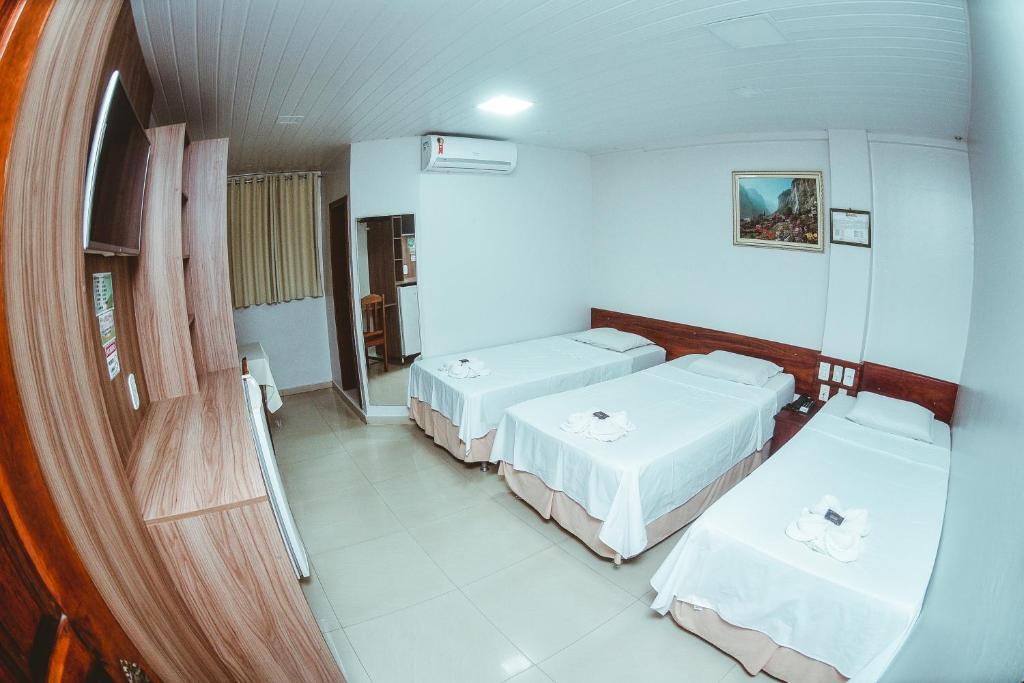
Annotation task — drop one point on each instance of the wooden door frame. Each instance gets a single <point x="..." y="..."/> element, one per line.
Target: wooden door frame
<point x="24" y="492"/>
<point x="342" y="288"/>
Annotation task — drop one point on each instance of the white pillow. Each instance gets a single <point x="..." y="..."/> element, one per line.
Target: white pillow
<point x="612" y="339"/>
<point x="735" y="367"/>
<point x="892" y="415"/>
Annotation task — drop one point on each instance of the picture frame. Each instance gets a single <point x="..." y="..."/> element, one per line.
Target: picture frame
<point x="851" y="227"/>
<point x="779" y="210"/>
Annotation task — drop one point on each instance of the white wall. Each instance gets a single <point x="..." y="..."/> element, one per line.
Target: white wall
<point x="923" y="258"/>
<point x="662" y="247"/>
<point x="294" y="335"/>
<point x="662" y="242"/>
<point x="499" y="258"/>
<point x="971" y="625"/>
<point x="504" y="258"/>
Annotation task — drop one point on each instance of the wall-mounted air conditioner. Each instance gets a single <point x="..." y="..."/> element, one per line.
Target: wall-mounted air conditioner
<point x="447" y="154"/>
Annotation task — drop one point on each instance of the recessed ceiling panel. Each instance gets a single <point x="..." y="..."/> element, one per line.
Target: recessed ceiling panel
<point x="602" y="74"/>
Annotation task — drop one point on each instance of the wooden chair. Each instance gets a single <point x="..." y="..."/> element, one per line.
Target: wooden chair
<point x="375" y="332"/>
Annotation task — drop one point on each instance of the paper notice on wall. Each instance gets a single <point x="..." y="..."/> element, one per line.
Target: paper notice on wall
<point x="113" y="362"/>
<point x="102" y="292"/>
<point x="103" y="304"/>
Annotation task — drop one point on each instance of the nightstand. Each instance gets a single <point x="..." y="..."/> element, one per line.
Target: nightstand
<point x="787" y="423"/>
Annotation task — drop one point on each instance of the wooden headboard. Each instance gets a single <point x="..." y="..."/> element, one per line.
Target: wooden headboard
<point x="938" y="396"/>
<point x="679" y="339"/>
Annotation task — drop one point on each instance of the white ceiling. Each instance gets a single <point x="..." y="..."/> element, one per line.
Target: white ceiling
<point x="605" y="74"/>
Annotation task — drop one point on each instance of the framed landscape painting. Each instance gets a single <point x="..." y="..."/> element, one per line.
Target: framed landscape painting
<point x="779" y="209"/>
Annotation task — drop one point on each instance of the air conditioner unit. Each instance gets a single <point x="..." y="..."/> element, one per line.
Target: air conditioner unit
<point x="447" y="154"/>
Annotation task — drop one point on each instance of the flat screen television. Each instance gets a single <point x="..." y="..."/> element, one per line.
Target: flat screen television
<point x="115" y="181"/>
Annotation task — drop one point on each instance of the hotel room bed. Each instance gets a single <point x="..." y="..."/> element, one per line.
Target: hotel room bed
<point x="737" y="580"/>
<point x="695" y="437"/>
<point x="462" y="414"/>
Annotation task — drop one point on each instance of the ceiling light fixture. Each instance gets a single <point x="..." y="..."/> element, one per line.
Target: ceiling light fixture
<point x="504" y="105"/>
<point x="289" y="119"/>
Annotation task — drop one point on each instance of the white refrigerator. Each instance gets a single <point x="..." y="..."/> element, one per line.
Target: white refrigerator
<point x="409" y="320"/>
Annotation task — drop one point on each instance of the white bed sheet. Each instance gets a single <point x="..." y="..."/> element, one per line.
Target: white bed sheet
<point x="737" y="560"/>
<point x="690" y="429"/>
<point x="519" y="372"/>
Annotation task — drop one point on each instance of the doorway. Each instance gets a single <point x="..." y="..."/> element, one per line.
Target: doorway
<point x="341" y="282"/>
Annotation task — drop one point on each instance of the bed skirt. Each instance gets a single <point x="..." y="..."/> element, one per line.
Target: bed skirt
<point x="446" y="435"/>
<point x="574" y="518"/>
<point x="752" y="649"/>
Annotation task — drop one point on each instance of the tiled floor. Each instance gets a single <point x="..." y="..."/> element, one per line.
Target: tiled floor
<point x="429" y="570"/>
<point x="388" y="388"/>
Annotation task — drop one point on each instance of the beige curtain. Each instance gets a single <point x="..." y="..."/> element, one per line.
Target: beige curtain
<point x="273" y="250"/>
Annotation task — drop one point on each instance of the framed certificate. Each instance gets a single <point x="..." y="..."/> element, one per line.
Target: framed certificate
<point x="851" y="227"/>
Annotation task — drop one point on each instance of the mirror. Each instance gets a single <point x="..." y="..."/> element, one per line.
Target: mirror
<point x="389" y="304"/>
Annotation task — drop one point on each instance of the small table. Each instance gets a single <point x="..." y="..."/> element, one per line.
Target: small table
<point x="787" y="423"/>
<point x="259" y="368"/>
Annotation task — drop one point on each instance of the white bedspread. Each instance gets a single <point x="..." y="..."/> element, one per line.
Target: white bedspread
<point x="690" y="429"/>
<point x="737" y="560"/>
<point x="519" y="372"/>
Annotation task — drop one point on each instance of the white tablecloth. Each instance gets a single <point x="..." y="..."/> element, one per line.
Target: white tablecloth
<point x="259" y="368"/>
<point x="737" y="560"/>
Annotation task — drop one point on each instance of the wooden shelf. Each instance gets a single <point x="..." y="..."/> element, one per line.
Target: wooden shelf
<point x="195" y="453"/>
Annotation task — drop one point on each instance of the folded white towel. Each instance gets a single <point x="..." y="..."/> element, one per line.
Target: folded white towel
<point x="589" y="425"/>
<point x="815" y="529"/>
<point x="465" y="368"/>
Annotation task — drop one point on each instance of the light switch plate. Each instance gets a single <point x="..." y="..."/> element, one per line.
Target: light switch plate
<point x="837" y="373"/>
<point x="823" y="392"/>
<point x="823" y="370"/>
<point x="848" y="376"/>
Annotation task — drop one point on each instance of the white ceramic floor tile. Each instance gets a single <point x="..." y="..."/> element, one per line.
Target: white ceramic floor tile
<point x="639" y="645"/>
<point x="328" y="474"/>
<point x="318" y="603"/>
<point x="443" y="640"/>
<point x="377" y="577"/>
<point x="383" y="460"/>
<point x="546" y="602"/>
<point x="424" y="495"/>
<point x="346" y="657"/>
<point x="531" y="675"/>
<point x="477" y="542"/>
<point x="343" y="518"/>
<point x="521" y="509"/>
<point x="633" y="575"/>
<point x="293" y="449"/>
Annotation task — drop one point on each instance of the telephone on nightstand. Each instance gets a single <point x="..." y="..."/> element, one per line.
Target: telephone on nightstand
<point x="802" y="404"/>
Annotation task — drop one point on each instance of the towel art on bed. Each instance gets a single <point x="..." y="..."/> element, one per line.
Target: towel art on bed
<point x="469" y="367"/>
<point x="599" y="425"/>
<point x="830" y="530"/>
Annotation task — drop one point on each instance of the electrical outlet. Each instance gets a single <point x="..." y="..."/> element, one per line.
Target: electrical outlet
<point x="837" y="373"/>
<point x="823" y="392"/>
<point x="848" y="377"/>
<point x="843" y="392"/>
<point x="823" y="370"/>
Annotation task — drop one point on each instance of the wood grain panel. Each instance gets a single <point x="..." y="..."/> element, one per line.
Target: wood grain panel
<point x="196" y="452"/>
<point x="206" y="173"/>
<point x="124" y="54"/>
<point x="222" y="560"/>
<point x="48" y="329"/>
<point x="26" y="497"/>
<point x="938" y="396"/>
<point x="160" y="308"/>
<point x="679" y="339"/>
<point x="124" y="419"/>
